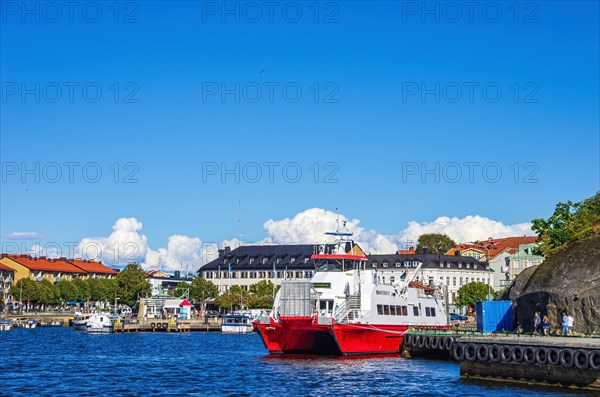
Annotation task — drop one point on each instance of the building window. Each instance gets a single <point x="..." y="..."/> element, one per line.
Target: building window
<point x="392" y="279"/>
<point x="460" y="281"/>
<point x="448" y="281"/>
<point x="298" y="274"/>
<point x="430" y="280"/>
<point x="454" y="281"/>
<point x="517" y="264"/>
<point x="529" y="262"/>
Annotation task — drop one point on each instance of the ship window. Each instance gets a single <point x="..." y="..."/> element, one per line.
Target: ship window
<point x="415" y="310"/>
<point x="392" y="310"/>
<point x="386" y="310"/>
<point x="405" y="310"/>
<point x="379" y="309"/>
<point x="433" y="312"/>
<point x="427" y="312"/>
<point x="398" y="310"/>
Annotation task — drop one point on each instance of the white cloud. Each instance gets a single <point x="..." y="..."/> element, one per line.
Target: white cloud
<point x="24" y="236"/>
<point x="307" y="227"/>
<point x="182" y="253"/>
<point x="467" y="229"/>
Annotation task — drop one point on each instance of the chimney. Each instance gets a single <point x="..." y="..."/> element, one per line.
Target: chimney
<point x="227" y="250"/>
<point x="221" y="252"/>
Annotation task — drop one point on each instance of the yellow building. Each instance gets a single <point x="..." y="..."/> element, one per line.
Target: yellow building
<point x="41" y="268"/>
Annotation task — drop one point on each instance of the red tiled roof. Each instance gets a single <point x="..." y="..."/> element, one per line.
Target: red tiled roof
<point x="495" y="246"/>
<point x="4" y="267"/>
<point x="43" y="263"/>
<point x="91" y="266"/>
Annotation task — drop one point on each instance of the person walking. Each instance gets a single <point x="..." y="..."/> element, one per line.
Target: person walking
<point x="546" y="325"/>
<point x="565" y="324"/>
<point x="570" y="321"/>
<point x="537" y="321"/>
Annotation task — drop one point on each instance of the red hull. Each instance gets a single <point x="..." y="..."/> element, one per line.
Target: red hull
<point x="302" y="335"/>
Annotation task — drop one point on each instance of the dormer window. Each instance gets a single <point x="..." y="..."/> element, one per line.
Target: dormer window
<point x="406" y="264"/>
<point x="468" y="265"/>
<point x="292" y="259"/>
<point x="385" y="264"/>
<point x="251" y="260"/>
<point x="474" y="266"/>
<point x="441" y="264"/>
<point x="460" y="265"/>
<point x="306" y="260"/>
<point x="265" y="260"/>
<point x="398" y="264"/>
<point x="415" y="264"/>
<point x="448" y="265"/>
<point x="278" y="260"/>
<point x="374" y="264"/>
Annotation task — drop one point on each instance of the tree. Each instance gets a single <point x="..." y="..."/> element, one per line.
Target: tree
<point x="84" y="293"/>
<point x="436" y="243"/>
<point x="472" y="292"/>
<point x="263" y="288"/>
<point x="180" y="289"/>
<point x="130" y="282"/>
<point x="202" y="289"/>
<point x="67" y="291"/>
<point x="568" y="221"/>
<point x="25" y="289"/>
<point x="46" y="293"/>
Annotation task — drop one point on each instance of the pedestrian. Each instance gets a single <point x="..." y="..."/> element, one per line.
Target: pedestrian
<point x="537" y="321"/>
<point x="565" y="324"/>
<point x="545" y="325"/>
<point x="570" y="321"/>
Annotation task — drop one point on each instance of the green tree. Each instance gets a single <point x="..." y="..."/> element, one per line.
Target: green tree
<point x="46" y="293"/>
<point x="263" y="288"/>
<point x="130" y="282"/>
<point x="260" y="302"/>
<point x="180" y="289"/>
<point x="67" y="291"/>
<point x="107" y="286"/>
<point x="568" y="221"/>
<point x="25" y="289"/>
<point x="84" y="293"/>
<point x="470" y="293"/>
<point x="202" y="289"/>
<point x="436" y="243"/>
<point x="235" y="298"/>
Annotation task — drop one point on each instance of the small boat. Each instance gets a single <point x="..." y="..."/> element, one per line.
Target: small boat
<point x="239" y="323"/>
<point x="25" y="323"/>
<point x="99" y="324"/>
<point x="5" y="325"/>
<point x="50" y="324"/>
<point x="80" y="321"/>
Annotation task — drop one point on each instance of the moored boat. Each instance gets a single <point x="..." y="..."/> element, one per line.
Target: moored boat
<point x="348" y="309"/>
<point x="237" y="323"/>
<point x="99" y="324"/>
<point x="80" y="321"/>
<point x="5" y="325"/>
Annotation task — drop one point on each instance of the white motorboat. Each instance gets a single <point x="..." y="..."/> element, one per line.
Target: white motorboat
<point x="239" y="323"/>
<point x="80" y="321"/>
<point x="5" y="325"/>
<point x="99" y="324"/>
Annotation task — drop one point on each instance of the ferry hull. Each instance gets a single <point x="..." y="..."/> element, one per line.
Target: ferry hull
<point x="296" y="335"/>
<point x="359" y="339"/>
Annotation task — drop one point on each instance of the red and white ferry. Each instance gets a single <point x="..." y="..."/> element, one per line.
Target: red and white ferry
<point x="346" y="308"/>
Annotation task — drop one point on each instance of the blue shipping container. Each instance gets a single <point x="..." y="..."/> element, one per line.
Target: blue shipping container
<point x="494" y="316"/>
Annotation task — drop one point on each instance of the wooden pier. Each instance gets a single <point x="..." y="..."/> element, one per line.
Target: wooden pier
<point x="167" y="326"/>
<point x="557" y="361"/>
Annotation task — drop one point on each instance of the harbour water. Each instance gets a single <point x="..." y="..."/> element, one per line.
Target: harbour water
<point x="60" y="361"/>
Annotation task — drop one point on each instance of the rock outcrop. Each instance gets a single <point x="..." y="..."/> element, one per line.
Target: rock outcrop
<point x="568" y="280"/>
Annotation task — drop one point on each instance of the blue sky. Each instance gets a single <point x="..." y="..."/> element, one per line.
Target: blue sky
<point x="361" y="119"/>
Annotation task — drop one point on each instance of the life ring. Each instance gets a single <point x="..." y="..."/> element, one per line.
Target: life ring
<point x="459" y="351"/>
<point x="541" y="355"/>
<point x="482" y="352"/>
<point x="529" y="355"/>
<point x="516" y="353"/>
<point x="566" y="358"/>
<point x="470" y="352"/>
<point x="494" y="353"/>
<point x="505" y="354"/>
<point x="581" y="359"/>
<point x="553" y="356"/>
<point x="594" y="360"/>
<point x="152" y="325"/>
<point x="449" y="343"/>
<point x="435" y="343"/>
<point x="427" y="342"/>
<point x="165" y="325"/>
<point x="158" y="325"/>
<point x="408" y="340"/>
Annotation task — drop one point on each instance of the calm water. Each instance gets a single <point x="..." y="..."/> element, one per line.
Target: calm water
<point x="60" y="361"/>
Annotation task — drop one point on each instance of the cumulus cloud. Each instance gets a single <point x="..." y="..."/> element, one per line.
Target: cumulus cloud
<point x="467" y="229"/>
<point x="308" y="227"/>
<point x="24" y="236"/>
